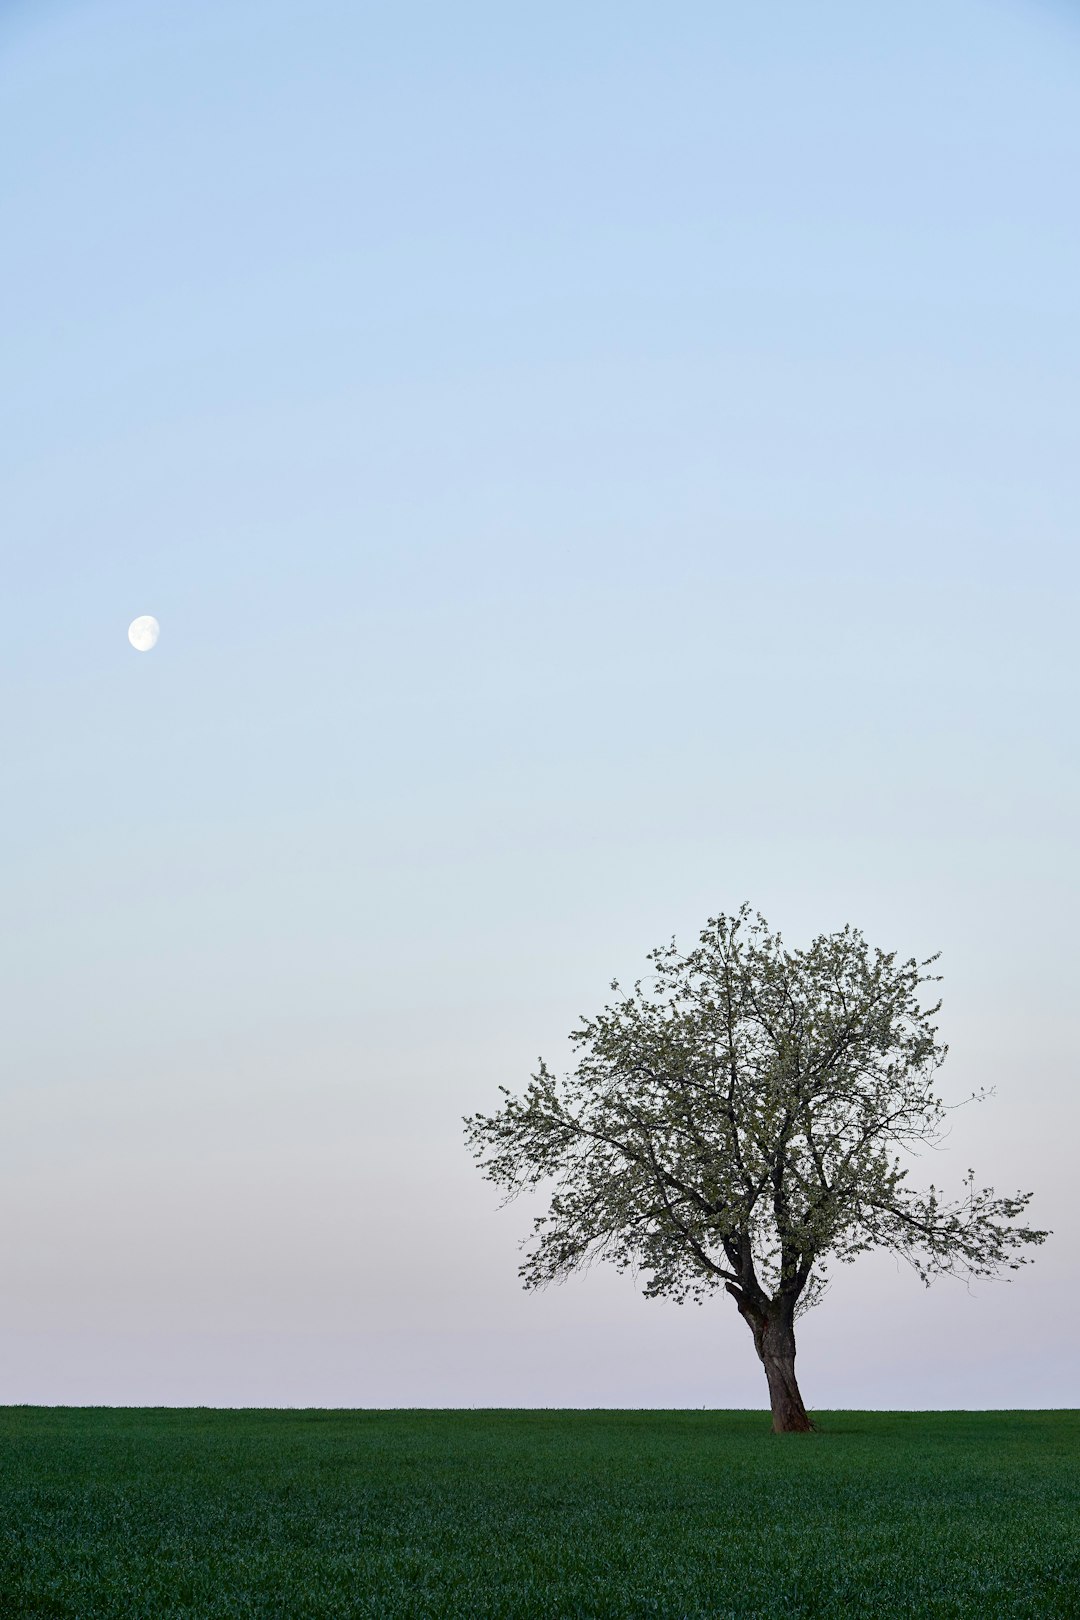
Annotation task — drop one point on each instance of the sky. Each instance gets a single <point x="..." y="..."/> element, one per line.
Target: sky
<point x="593" y="465"/>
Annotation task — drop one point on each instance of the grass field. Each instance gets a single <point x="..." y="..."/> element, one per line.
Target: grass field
<point x="154" y="1514"/>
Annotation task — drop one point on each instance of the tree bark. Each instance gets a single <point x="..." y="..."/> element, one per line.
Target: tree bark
<point x="788" y="1412"/>
<point x="774" y="1340"/>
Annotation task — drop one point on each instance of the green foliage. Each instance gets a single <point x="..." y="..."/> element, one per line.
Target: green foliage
<point x="737" y="1127"/>
<point x="213" y="1515"/>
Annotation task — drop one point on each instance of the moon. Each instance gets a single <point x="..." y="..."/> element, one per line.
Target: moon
<point x="143" y="632"/>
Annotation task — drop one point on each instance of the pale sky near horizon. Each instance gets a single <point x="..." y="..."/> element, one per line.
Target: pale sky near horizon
<point x="592" y="465"/>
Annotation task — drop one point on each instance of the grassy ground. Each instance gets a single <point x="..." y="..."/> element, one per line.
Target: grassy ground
<point x="156" y="1514"/>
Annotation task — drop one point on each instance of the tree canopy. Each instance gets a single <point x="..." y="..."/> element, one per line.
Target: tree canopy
<point x="738" y="1127"/>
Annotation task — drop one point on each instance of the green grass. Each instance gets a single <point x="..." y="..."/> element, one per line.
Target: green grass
<point x="156" y="1514"/>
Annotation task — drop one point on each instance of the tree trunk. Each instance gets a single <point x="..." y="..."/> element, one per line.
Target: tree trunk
<point x="774" y="1340"/>
<point x="788" y="1412"/>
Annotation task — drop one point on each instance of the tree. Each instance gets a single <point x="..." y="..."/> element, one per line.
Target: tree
<point x="736" y="1131"/>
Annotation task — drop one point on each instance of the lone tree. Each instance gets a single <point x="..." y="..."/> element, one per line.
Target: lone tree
<point x="736" y="1130"/>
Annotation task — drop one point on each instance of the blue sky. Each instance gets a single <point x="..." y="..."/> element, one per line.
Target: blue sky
<point x="592" y="465"/>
